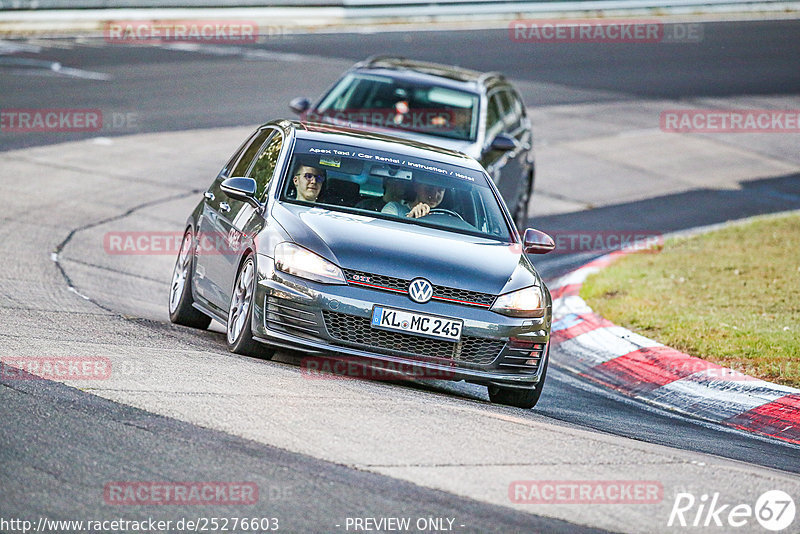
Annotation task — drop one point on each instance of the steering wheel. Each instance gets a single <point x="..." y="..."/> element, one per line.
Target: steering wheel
<point x="442" y="211"/>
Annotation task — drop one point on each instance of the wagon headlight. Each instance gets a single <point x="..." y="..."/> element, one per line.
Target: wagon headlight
<point x="528" y="302"/>
<point x="294" y="259"/>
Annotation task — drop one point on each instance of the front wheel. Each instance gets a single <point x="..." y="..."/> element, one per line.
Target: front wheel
<point x="240" y="313"/>
<point x="181" y="310"/>
<point x="519" y="398"/>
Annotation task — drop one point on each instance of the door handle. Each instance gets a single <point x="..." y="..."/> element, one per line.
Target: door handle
<point x="208" y="195"/>
<point x="224" y="207"/>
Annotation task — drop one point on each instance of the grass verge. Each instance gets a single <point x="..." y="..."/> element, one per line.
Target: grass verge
<point x="731" y="296"/>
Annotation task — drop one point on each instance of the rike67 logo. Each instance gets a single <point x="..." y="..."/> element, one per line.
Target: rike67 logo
<point x="774" y="510"/>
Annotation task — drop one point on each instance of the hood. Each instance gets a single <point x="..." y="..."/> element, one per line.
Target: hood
<point x="407" y="251"/>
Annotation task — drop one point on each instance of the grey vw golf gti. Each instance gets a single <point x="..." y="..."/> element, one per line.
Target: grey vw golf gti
<point x="359" y="245"/>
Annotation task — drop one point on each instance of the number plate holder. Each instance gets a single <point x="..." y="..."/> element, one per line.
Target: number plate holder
<point x="417" y="324"/>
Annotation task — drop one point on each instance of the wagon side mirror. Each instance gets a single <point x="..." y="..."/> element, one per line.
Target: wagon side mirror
<point x="300" y="105"/>
<point x="503" y="143"/>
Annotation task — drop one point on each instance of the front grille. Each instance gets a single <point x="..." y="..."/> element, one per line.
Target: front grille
<point x="378" y="280"/>
<point x="462" y="296"/>
<point x="354" y="330"/>
<point x="399" y="285"/>
<point x="291" y="318"/>
<point x="516" y="356"/>
<point x="480" y="351"/>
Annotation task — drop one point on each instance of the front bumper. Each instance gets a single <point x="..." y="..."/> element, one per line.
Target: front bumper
<point x="334" y="320"/>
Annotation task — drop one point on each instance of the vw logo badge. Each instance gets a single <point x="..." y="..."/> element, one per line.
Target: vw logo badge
<point x="420" y="290"/>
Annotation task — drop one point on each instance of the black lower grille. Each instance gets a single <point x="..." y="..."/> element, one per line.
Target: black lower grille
<point x="480" y="351"/>
<point x="292" y="318"/>
<point x="522" y="359"/>
<point x="354" y="330"/>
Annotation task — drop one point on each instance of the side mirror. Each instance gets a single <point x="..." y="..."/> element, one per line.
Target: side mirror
<point x="243" y="189"/>
<point x="300" y="105"/>
<point x="503" y="143"/>
<point x="537" y="242"/>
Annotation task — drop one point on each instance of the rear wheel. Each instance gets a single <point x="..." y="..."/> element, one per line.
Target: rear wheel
<point x="181" y="310"/>
<point x="240" y="313"/>
<point x="520" y="398"/>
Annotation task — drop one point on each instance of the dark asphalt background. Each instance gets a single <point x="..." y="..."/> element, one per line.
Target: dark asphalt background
<point x="180" y="91"/>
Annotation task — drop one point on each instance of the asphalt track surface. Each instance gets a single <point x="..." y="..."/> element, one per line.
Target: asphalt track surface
<point x="173" y="90"/>
<point x="170" y="90"/>
<point x="74" y="439"/>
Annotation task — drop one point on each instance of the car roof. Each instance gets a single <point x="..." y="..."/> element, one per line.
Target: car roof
<point x="376" y="141"/>
<point x="423" y="71"/>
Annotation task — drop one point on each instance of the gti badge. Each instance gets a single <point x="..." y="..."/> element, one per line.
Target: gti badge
<point x="420" y="290"/>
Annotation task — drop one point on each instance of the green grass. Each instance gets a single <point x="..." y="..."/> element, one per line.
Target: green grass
<point x="731" y="297"/>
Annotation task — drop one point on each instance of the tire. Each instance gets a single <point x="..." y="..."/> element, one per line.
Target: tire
<point x="521" y="210"/>
<point x="519" y="398"/>
<point x="239" y="330"/>
<point x="181" y="310"/>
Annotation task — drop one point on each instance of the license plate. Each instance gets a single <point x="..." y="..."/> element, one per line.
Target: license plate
<point x="417" y="323"/>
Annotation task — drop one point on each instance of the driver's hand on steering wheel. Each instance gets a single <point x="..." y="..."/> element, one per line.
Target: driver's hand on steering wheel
<point x="420" y="210"/>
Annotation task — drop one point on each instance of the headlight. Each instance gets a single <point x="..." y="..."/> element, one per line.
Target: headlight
<point x="294" y="259"/>
<point x="528" y="302"/>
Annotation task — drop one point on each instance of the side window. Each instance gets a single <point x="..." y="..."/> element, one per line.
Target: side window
<point x="512" y="108"/>
<point x="493" y="115"/>
<point x="226" y="170"/>
<point x="250" y="153"/>
<point x="264" y="167"/>
<point x="505" y="102"/>
<point x="516" y="104"/>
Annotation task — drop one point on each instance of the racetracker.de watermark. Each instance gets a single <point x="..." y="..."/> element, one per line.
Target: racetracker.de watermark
<point x="30" y="120"/>
<point x="556" y="31"/>
<point x="586" y="492"/>
<point x="182" y="31"/>
<point x="55" y="368"/>
<point x="144" y="243"/>
<point x="601" y="241"/>
<point x="400" y="116"/>
<point x="730" y="121"/>
<point x="320" y="368"/>
<point x="141" y="493"/>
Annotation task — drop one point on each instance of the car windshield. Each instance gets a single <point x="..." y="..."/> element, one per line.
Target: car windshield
<point x="384" y="102"/>
<point x="388" y="185"/>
